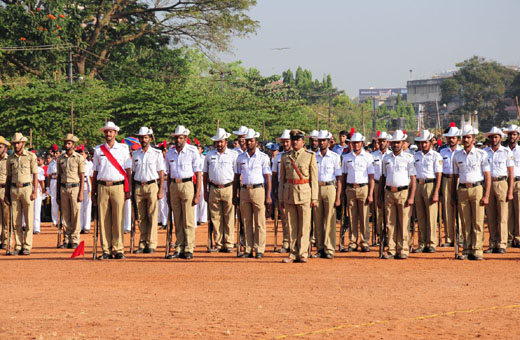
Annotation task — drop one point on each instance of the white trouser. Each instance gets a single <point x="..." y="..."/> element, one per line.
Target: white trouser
<point x="86" y="211"/>
<point x="127" y="223"/>
<point x="163" y="210"/>
<point x="202" y="208"/>
<point x="54" y="204"/>
<point x="37" y="213"/>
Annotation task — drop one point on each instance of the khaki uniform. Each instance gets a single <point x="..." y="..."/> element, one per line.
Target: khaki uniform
<point x="4" y="208"/>
<point x="448" y="207"/>
<point x="297" y="193"/>
<point x="282" y="214"/>
<point x="514" y="218"/>
<point x="21" y="170"/>
<point x="71" y="170"/>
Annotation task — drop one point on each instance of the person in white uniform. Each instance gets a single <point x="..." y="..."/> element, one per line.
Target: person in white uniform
<point x="86" y="204"/>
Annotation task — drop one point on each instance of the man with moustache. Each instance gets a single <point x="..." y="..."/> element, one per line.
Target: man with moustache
<point x="241" y="132"/>
<point x="382" y="138"/>
<point x="148" y="179"/>
<point x="513" y="134"/>
<point x="285" y="140"/>
<point x="112" y="186"/>
<point x="4" y="208"/>
<point x="182" y="163"/>
<point x="219" y="174"/>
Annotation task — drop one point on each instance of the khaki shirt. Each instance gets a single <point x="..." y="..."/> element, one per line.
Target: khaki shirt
<point x="71" y="167"/>
<point x="3" y="169"/>
<point x="21" y="168"/>
<point x="305" y="161"/>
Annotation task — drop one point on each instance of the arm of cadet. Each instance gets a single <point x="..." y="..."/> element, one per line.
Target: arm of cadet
<point x="411" y="191"/>
<point x="205" y="175"/>
<point x="510" y="183"/>
<point x="81" y="186"/>
<point x="128" y="194"/>
<point x="196" y="197"/>
<point x="370" y="197"/>
<point x="34" y="186"/>
<point x="160" y="193"/>
<point x="94" y="188"/>
<point x="267" y="180"/>
<point x="339" y="181"/>
<point x="487" y="188"/>
<point x="437" y="188"/>
<point x="454" y="189"/>
<point x="236" y="188"/>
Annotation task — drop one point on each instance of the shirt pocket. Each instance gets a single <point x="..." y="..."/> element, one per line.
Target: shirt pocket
<point x="25" y="168"/>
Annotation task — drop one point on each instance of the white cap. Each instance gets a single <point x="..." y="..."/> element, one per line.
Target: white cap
<point x="494" y="131"/>
<point x="313" y="134"/>
<point x="241" y="131"/>
<point x="384" y="135"/>
<point x="110" y="126"/>
<point x="511" y="128"/>
<point x="180" y="130"/>
<point x="398" y="136"/>
<point x="468" y="130"/>
<point x="324" y="134"/>
<point x="424" y="136"/>
<point x="285" y="135"/>
<point x="413" y="147"/>
<point x="144" y="131"/>
<point x="221" y="134"/>
<point x="357" y="137"/>
<point x="452" y="132"/>
<point x="251" y="134"/>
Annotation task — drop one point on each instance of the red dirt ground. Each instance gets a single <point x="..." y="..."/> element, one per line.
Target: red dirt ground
<point x="49" y="296"/>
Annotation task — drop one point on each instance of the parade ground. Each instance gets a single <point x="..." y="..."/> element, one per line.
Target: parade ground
<point x="47" y="295"/>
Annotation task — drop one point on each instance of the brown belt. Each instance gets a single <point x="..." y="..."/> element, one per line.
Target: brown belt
<point x="298" y="181"/>
<point x="182" y="180"/>
<point x="426" y="180"/>
<point x="252" y="186"/>
<point x="470" y="185"/>
<point x="447" y="175"/>
<point x="110" y="183"/>
<point x="323" y="184"/>
<point x="220" y="186"/>
<point x="146" y="183"/>
<point x="356" y="185"/>
<point x="498" y="179"/>
<point x="69" y="185"/>
<point x="396" y="189"/>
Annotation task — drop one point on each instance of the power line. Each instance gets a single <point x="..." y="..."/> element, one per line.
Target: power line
<point x="34" y="48"/>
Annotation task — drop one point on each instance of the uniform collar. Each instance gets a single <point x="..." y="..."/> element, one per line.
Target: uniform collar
<point x="24" y="153"/>
<point x="361" y="153"/>
<point x="327" y="153"/>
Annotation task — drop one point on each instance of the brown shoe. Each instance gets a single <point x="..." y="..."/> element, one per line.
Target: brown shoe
<point x="287" y="260"/>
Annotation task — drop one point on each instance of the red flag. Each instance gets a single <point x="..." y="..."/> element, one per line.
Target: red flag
<point x="54" y="147"/>
<point x="452" y="124"/>
<point x="439" y="142"/>
<point x="188" y="140"/>
<point x="378" y="133"/>
<point x="80" y="250"/>
<point x="196" y="141"/>
<point x="404" y="132"/>
<point x="352" y="130"/>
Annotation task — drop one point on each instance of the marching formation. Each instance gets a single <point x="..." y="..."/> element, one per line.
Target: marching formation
<point x="306" y="182"/>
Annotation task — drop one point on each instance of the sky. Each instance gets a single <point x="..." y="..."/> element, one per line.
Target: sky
<point x="376" y="43"/>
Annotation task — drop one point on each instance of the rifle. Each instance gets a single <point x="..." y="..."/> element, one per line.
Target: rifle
<point x="96" y="229"/>
<point x="345" y="225"/>
<point x="135" y="217"/>
<point x="382" y="237"/>
<point x="10" y="226"/>
<point x="169" y="231"/>
<point x="239" y="231"/>
<point x="412" y="227"/>
<point x="275" y="227"/>
<point x="60" y="227"/>
<point x="439" y="221"/>
<point x="374" y="224"/>
<point x="457" y="228"/>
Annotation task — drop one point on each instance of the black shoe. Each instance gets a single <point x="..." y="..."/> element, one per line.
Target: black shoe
<point x="259" y="255"/>
<point x="329" y="256"/>
<point x="3" y="246"/>
<point x="149" y="251"/>
<point x="401" y="257"/>
<point x="36" y="232"/>
<point x="418" y="250"/>
<point x="446" y="245"/>
<point x="74" y="245"/>
<point x="516" y="245"/>
<point x="501" y="251"/>
<point x="509" y="244"/>
<point x="429" y="250"/>
<point x="188" y="256"/>
<point x="365" y="249"/>
<point x="226" y="250"/>
<point x="85" y="232"/>
<point x="283" y="250"/>
<point x="488" y="251"/>
<point x="25" y="252"/>
<point x="120" y="256"/>
<point x="105" y="256"/>
<point x="61" y="246"/>
<point x="164" y="227"/>
<point x="127" y="232"/>
<point x="317" y="255"/>
<point x="175" y="255"/>
<point x="213" y="250"/>
<point x="69" y="245"/>
<point x="246" y="256"/>
<point x="461" y="257"/>
<point x="139" y="251"/>
<point x="474" y="257"/>
<point x="388" y="256"/>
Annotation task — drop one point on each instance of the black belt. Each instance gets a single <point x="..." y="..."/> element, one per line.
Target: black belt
<point x="2" y="185"/>
<point x="21" y="185"/>
<point x="470" y="185"/>
<point x="182" y="180"/>
<point x="426" y="180"/>
<point x="498" y="179"/>
<point x="356" y="185"/>
<point x="69" y="185"/>
<point x="447" y="175"/>
<point x="145" y="183"/>
<point x="389" y="188"/>
<point x="517" y="178"/>
<point x="109" y="184"/>
<point x="252" y="186"/>
<point x="220" y="186"/>
<point x="323" y="184"/>
<point x="376" y="181"/>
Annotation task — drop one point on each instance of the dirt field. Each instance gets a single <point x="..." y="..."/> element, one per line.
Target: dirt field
<point x="356" y="295"/>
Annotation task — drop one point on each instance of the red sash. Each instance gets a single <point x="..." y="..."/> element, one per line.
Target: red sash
<point x="116" y="165"/>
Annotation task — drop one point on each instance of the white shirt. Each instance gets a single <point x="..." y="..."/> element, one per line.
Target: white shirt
<point x="398" y="169"/>
<point x="88" y="173"/>
<point x="500" y="160"/>
<point x="329" y="166"/>
<point x="516" y="159"/>
<point x="52" y="168"/>
<point x="470" y="167"/>
<point x="447" y="159"/>
<point x="378" y="162"/>
<point x="183" y="164"/>
<point x="41" y="177"/>
<point x="275" y="167"/>
<point x="220" y="167"/>
<point x="252" y="169"/>
<point x="358" y="167"/>
<point x="238" y="149"/>
<point x="146" y="165"/>
<point x="427" y="165"/>
<point x="105" y="170"/>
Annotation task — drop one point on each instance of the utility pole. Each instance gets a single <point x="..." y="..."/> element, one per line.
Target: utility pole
<point x="71" y="102"/>
<point x="330" y="103"/>
<point x="317" y="122"/>
<point x="363" y="118"/>
<point x="374" y="122"/>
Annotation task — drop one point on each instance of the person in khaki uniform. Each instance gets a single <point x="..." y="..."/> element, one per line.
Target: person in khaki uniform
<point x="398" y="190"/>
<point x="358" y="179"/>
<point x="22" y="182"/>
<point x="452" y="136"/>
<point x="148" y="181"/>
<point x="182" y="163"/>
<point x="4" y="208"/>
<point x="298" y="194"/>
<point x="382" y="140"/>
<point x="472" y="174"/>
<point x="71" y="169"/>
<point x="501" y="164"/>
<point x="111" y="188"/>
<point x="253" y="177"/>
<point x="329" y="176"/>
<point x="513" y="134"/>
<point x="285" y="140"/>
<point x="218" y="192"/>
<point x="428" y="168"/>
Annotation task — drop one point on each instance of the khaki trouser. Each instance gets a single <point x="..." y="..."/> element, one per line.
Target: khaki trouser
<point x="70" y="208"/>
<point x="448" y="211"/>
<point x="379" y="222"/>
<point x="4" y="218"/>
<point x="22" y="204"/>
<point x="299" y="221"/>
<point x="222" y="216"/>
<point x="497" y="215"/>
<point x="111" y="203"/>
<point x="472" y="217"/>
<point x="513" y="216"/>
<point x="426" y="215"/>
<point x="325" y="219"/>
<point x="397" y="222"/>
<point x="358" y="213"/>
<point x="146" y="201"/>
<point x="252" y="208"/>
<point x="181" y="198"/>
<point x="285" y="228"/>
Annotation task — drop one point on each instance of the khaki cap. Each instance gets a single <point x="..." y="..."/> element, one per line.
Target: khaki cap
<point x="18" y="137"/>
<point x="70" y="137"/>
